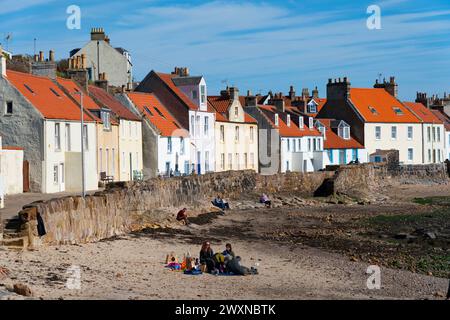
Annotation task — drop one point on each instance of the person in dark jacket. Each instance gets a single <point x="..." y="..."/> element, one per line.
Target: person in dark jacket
<point x="229" y="251"/>
<point x="206" y="256"/>
<point x="182" y="216"/>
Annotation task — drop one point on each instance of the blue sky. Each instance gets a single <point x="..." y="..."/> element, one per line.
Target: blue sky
<point x="257" y="45"/>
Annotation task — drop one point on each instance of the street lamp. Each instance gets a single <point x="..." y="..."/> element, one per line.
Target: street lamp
<point x="83" y="182"/>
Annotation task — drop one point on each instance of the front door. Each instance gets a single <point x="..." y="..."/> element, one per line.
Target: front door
<point x="199" y="162"/>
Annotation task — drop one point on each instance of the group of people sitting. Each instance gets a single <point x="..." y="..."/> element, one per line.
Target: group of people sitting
<point x="220" y="203"/>
<point x="225" y="263"/>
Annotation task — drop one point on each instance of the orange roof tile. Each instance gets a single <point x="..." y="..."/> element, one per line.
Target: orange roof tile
<point x="424" y="114"/>
<point x="46" y="96"/>
<point x="334" y="141"/>
<point x="112" y="103"/>
<point x="219" y="105"/>
<point x="73" y="88"/>
<point x="377" y="105"/>
<point x="152" y="109"/>
<point x="286" y="131"/>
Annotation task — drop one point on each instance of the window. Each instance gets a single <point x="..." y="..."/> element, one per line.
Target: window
<point x="113" y="160"/>
<point x="238" y="165"/>
<point x="245" y="161"/>
<point x="319" y="144"/>
<point x="288" y="145"/>
<point x="169" y="145"/>
<point x="344" y="132"/>
<point x="438" y="134"/>
<point x="108" y="168"/>
<point x="342" y="156"/>
<point x="159" y="112"/>
<point x="237" y="134"/>
<point x="107" y="121"/>
<point x="197" y="125"/>
<point x="377" y="133"/>
<point x="311" y="123"/>
<point x="398" y="111"/>
<point x="100" y="159"/>
<point x="277" y="120"/>
<point x="394" y="133"/>
<point x="434" y="134"/>
<point x="85" y="138"/>
<point x="57" y="137"/>
<point x="410" y="133"/>
<point x="203" y="93"/>
<point x="9" y="108"/>
<point x="373" y="110"/>
<point x="55" y="174"/>
<point x="192" y="125"/>
<point x="301" y="122"/>
<point x="207" y="161"/>
<point x="429" y="134"/>
<point x="230" y="161"/>
<point x="314" y="145"/>
<point x="410" y="154"/>
<point x="194" y="95"/>
<point x="309" y="144"/>
<point x="312" y="108"/>
<point x="222" y="161"/>
<point x="288" y="121"/>
<point x="148" y="111"/>
<point x="236" y="112"/>
<point x="62" y="172"/>
<point x="29" y="88"/>
<point x="124" y="166"/>
<point x="429" y="155"/>
<point x="355" y="154"/>
<point x="288" y="168"/>
<point x="294" y="146"/>
<point x="68" y="140"/>
<point x="222" y="133"/>
<point x="206" y="125"/>
<point x="439" y="155"/>
<point x="252" y="160"/>
<point x="252" y="132"/>
<point x="182" y="146"/>
<point x="299" y="145"/>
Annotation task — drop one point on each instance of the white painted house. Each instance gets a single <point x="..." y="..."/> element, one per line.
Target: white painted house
<point x="185" y="98"/>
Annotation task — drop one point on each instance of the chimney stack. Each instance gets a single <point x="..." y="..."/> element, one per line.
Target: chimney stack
<point x="181" y="72"/>
<point x="41" y="56"/>
<point x="292" y="93"/>
<point x="338" y="90"/>
<point x="315" y="93"/>
<point x="51" y="56"/>
<point x="250" y="99"/>
<point x="234" y="93"/>
<point x="278" y="102"/>
<point x="2" y="63"/>
<point x="102" y="82"/>
<point x="391" y="87"/>
<point x="98" y="34"/>
<point x="42" y="67"/>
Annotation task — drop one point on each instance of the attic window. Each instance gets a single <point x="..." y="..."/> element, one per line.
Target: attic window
<point x="159" y="112"/>
<point x="398" y="111"/>
<point x="373" y="110"/>
<point x="148" y="111"/>
<point x="288" y="121"/>
<point x="54" y="92"/>
<point x="301" y="122"/>
<point x="28" y="88"/>
<point x="277" y="122"/>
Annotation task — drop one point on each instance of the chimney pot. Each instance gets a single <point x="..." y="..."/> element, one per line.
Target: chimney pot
<point x="51" y="56"/>
<point x="41" y="56"/>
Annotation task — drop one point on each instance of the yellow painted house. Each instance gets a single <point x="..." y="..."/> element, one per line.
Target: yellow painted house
<point x="236" y="133"/>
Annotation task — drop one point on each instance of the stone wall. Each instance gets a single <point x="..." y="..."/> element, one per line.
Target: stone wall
<point x="125" y="207"/>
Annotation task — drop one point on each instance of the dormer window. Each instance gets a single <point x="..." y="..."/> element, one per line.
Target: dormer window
<point x="312" y="107"/>
<point x="373" y="110"/>
<point x="398" y="111"/>
<point x="311" y="123"/>
<point x="288" y="120"/>
<point x="106" y="119"/>
<point x="194" y="95"/>
<point x="277" y="121"/>
<point x="301" y="123"/>
<point x="203" y="94"/>
<point x="344" y="131"/>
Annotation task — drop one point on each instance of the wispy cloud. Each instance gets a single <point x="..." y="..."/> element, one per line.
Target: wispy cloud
<point x="8" y="6"/>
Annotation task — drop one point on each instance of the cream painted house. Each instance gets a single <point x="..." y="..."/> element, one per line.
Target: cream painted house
<point x="11" y="170"/>
<point x="433" y="134"/>
<point x="236" y="133"/>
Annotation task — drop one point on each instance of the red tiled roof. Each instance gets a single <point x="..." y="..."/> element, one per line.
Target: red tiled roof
<point x="112" y="103"/>
<point x="219" y="105"/>
<point x="167" y="79"/>
<point x="149" y="105"/>
<point x="72" y="87"/>
<point x="46" y="96"/>
<point x="443" y="117"/>
<point x="377" y="105"/>
<point x="285" y="131"/>
<point x="334" y="141"/>
<point x="423" y="113"/>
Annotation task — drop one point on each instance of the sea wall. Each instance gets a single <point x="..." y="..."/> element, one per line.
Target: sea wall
<point x="125" y="207"/>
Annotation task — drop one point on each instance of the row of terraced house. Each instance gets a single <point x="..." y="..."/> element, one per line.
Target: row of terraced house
<point x="169" y="124"/>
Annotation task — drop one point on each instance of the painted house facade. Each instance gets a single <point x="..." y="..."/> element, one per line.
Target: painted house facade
<point x="100" y="57"/>
<point x="106" y="129"/>
<point x="287" y="142"/>
<point x="130" y="144"/>
<point x="11" y="170"/>
<point x="341" y="148"/>
<point x="236" y="133"/>
<point x="433" y="134"/>
<point x="185" y="98"/>
<point x="39" y="117"/>
<point x="379" y="121"/>
<point x="166" y="142"/>
<point x="442" y="116"/>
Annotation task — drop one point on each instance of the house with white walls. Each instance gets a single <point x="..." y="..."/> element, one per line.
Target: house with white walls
<point x="340" y="146"/>
<point x="11" y="170"/>
<point x="236" y="133"/>
<point x="185" y="98"/>
<point x="441" y="115"/>
<point x="433" y="133"/>
<point x="379" y="121"/>
<point x="40" y="118"/>
<point x="165" y="141"/>
<point x="287" y="141"/>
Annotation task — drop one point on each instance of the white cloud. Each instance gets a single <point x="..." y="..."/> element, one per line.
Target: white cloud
<point x="8" y="6"/>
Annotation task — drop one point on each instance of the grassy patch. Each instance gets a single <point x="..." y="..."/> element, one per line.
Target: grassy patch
<point x="440" y="201"/>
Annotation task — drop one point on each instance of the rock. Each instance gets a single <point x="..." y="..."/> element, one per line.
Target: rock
<point x="23" y="290"/>
<point x="430" y="235"/>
